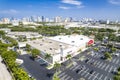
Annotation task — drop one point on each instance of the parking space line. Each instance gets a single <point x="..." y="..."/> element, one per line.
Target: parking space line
<point x="71" y="67"/>
<point x="110" y="69"/>
<point x="63" y="78"/>
<point x="103" y="66"/>
<point x="107" y="67"/>
<point x="100" y="65"/>
<point x="117" y="61"/>
<point x="80" y="71"/>
<point x="68" y="78"/>
<point x="100" y="78"/>
<point x="96" y="61"/>
<point x="84" y="72"/>
<point x="99" y="55"/>
<point x="90" y="60"/>
<point x="97" y="64"/>
<point x="95" y="76"/>
<point x="72" y="79"/>
<point x="61" y="74"/>
<point x="114" y="60"/>
<point x="91" y="76"/>
<point x="95" y="56"/>
<point x="105" y="78"/>
<point x="75" y="67"/>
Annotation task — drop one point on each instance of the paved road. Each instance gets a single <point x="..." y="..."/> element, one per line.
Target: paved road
<point x="4" y="74"/>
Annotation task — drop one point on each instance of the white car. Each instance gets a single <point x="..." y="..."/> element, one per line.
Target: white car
<point x="116" y="54"/>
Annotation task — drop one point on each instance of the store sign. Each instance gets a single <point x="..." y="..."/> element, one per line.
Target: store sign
<point x="90" y="42"/>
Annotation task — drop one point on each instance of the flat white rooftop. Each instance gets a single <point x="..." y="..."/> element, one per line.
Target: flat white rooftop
<point x="75" y="40"/>
<point x="48" y="46"/>
<point x="27" y="34"/>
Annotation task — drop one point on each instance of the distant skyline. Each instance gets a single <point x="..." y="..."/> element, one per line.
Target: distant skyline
<point x="97" y="9"/>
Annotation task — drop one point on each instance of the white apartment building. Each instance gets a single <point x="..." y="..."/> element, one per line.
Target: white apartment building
<point x="58" y="19"/>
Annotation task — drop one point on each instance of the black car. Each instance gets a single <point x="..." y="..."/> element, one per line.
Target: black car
<point x="86" y="61"/>
<point x="78" y="70"/>
<point x="92" y="71"/>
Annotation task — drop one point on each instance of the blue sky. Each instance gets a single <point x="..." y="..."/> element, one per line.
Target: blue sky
<point x="98" y="9"/>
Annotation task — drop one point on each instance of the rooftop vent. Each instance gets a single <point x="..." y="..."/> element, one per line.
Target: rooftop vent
<point x="81" y="38"/>
<point x="59" y="38"/>
<point x="73" y="41"/>
<point x="50" y="48"/>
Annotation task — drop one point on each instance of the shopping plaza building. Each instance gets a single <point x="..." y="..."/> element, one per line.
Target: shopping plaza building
<point x="60" y="46"/>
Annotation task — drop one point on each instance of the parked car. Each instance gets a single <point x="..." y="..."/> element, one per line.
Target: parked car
<point x="86" y="61"/>
<point x="92" y="71"/>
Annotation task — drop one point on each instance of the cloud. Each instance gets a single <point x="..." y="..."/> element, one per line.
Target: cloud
<point x="10" y="11"/>
<point x="80" y="6"/>
<point x="72" y="2"/>
<point x="115" y="2"/>
<point x="64" y="7"/>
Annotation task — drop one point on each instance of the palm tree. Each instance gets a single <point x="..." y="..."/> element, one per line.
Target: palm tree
<point x="56" y="66"/>
<point x="48" y="57"/>
<point x="69" y="56"/>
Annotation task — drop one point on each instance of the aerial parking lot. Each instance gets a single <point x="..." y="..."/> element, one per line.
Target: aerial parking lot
<point x="88" y="65"/>
<point x="93" y="67"/>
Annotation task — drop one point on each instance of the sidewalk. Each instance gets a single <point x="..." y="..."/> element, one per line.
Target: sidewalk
<point x="4" y="74"/>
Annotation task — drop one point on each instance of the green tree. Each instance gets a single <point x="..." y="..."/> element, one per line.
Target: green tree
<point x="119" y="69"/>
<point x="55" y="77"/>
<point x="107" y="55"/>
<point x="48" y="57"/>
<point x="56" y="66"/>
<point x="116" y="77"/>
<point x="96" y="49"/>
<point x="35" y="52"/>
<point x="69" y="57"/>
<point x="2" y="33"/>
<point x="28" y="47"/>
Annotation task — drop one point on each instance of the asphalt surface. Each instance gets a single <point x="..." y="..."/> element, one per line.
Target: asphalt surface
<point x="102" y="69"/>
<point x="35" y="69"/>
<point x="92" y="67"/>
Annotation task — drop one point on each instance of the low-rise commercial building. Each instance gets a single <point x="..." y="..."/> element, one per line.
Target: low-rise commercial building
<point x="27" y="35"/>
<point x="61" y="46"/>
